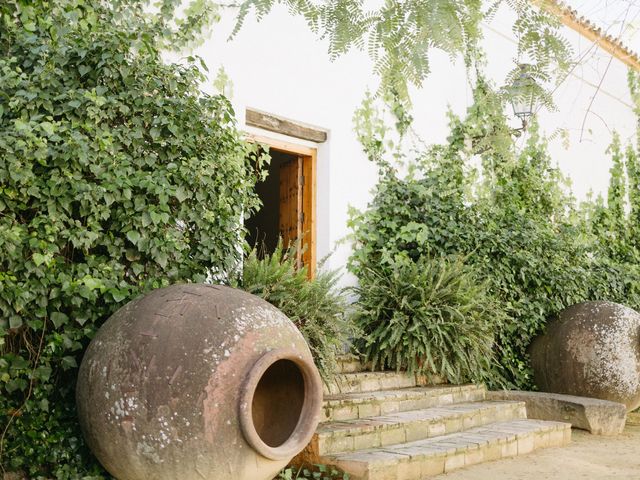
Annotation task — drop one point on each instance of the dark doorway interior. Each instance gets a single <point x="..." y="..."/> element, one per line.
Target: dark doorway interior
<point x="264" y="226"/>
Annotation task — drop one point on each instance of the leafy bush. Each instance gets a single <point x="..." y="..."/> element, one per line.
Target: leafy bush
<point x="511" y="220"/>
<point x="116" y="176"/>
<point x="428" y="316"/>
<point x="315" y="306"/>
<point x="318" y="472"/>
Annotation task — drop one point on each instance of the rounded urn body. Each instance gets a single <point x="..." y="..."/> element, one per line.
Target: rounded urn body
<point x="198" y="381"/>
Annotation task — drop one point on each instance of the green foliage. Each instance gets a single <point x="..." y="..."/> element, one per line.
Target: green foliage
<point x="116" y="176"/>
<point x="511" y="220"/>
<point x="371" y="130"/>
<point x="315" y="306"/>
<point x="616" y="227"/>
<point x="316" y="472"/>
<point x="633" y="81"/>
<point x="431" y="315"/>
<point x="400" y="34"/>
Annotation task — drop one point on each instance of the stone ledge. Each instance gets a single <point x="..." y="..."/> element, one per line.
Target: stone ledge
<point x="600" y="417"/>
<point x="424" y="458"/>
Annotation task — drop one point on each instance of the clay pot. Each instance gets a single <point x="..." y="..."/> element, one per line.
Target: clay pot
<point x="198" y="381"/>
<point x="591" y="350"/>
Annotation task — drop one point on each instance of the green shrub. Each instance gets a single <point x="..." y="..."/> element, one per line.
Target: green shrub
<point x="532" y="257"/>
<point x="317" y="472"/>
<point x="315" y="306"/>
<point x="514" y="224"/>
<point x="116" y="176"/>
<point x="429" y="316"/>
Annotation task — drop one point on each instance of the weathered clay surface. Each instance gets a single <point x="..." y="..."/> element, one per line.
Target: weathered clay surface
<point x="185" y="382"/>
<point x="633" y="418"/>
<point x="591" y="350"/>
<point x="600" y="417"/>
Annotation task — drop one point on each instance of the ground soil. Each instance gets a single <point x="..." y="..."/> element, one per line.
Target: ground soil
<point x="588" y="456"/>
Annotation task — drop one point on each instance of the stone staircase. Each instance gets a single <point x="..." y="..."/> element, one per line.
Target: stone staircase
<point x="391" y="426"/>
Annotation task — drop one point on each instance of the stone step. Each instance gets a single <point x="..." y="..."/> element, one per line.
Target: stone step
<point x="349" y="363"/>
<point x="380" y="431"/>
<point x="349" y="406"/>
<point x="371" y="382"/>
<point x="433" y="456"/>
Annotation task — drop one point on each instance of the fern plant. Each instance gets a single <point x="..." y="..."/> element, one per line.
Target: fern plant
<point x="429" y="316"/>
<point x="317" y="307"/>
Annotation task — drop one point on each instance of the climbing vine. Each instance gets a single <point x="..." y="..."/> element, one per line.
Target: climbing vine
<point x="512" y="220"/>
<point x="117" y="175"/>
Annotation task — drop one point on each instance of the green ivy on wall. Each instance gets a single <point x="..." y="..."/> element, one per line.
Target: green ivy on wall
<point x="117" y="175"/>
<point x="511" y="218"/>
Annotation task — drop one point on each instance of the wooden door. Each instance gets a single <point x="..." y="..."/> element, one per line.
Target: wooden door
<point x="308" y="215"/>
<point x="291" y="205"/>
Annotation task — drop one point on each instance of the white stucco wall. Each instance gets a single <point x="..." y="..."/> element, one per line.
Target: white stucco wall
<point x="279" y="66"/>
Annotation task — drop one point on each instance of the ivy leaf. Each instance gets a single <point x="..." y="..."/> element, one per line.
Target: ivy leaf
<point x="16" y="384"/>
<point x="92" y="283"/>
<point x="15" y="321"/>
<point x="42" y="373"/>
<point x="68" y="362"/>
<point x="161" y="258"/>
<point x="133" y="236"/>
<point x="19" y="363"/>
<point x="48" y="128"/>
<point x="118" y="295"/>
<point x="38" y="259"/>
<point x="182" y="194"/>
<point x="59" y="319"/>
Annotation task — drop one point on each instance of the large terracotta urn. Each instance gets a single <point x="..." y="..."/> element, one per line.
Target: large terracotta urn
<point x="196" y="382"/>
<point x="591" y="349"/>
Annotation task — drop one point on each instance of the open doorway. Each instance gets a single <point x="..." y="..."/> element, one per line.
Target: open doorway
<point x="288" y="203"/>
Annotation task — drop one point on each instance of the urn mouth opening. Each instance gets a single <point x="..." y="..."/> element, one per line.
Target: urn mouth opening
<point x="280" y="404"/>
